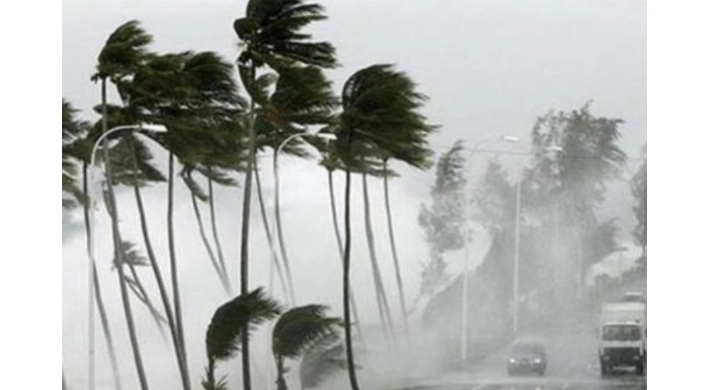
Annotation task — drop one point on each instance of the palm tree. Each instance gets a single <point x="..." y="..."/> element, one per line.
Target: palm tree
<point x="122" y="53"/>
<point x="194" y="95"/>
<point x="223" y="339"/>
<point x="379" y="109"/>
<point x="296" y="331"/>
<point x="271" y="33"/>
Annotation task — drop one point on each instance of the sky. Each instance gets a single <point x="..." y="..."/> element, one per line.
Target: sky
<point x="489" y="68"/>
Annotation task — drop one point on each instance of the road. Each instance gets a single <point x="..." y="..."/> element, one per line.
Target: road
<point x="572" y="365"/>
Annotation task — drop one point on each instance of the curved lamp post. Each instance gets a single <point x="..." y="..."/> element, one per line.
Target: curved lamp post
<point x="464" y="298"/>
<point x="90" y="231"/>
<point x="277" y="217"/>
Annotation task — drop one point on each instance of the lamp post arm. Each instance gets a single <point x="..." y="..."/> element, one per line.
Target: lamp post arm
<point x="103" y="136"/>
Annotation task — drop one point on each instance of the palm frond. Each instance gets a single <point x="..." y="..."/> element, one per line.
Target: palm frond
<point x="272" y="31"/>
<point x="301" y="327"/>
<point x="234" y="317"/>
<point x="122" y="51"/>
<point x="381" y="108"/>
<point x="131" y="255"/>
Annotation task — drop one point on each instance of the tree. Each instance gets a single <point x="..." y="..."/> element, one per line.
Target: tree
<point x="122" y="52"/>
<point x="298" y="330"/>
<point x="379" y="108"/>
<point x="444" y="220"/>
<point x="272" y="35"/>
<point x="575" y="155"/>
<point x="223" y="339"/>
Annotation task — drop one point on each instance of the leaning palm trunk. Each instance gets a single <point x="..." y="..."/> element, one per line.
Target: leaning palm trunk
<point x="94" y="280"/>
<point x="213" y="223"/>
<point x="382" y="304"/>
<point x="244" y="252"/>
<point x="279" y="230"/>
<point x="280" y="373"/>
<point x="269" y="238"/>
<point x="213" y="259"/>
<point x="346" y="288"/>
<point x="173" y="270"/>
<point x="398" y="273"/>
<point x="334" y="213"/>
<point x="159" y="280"/>
<point x="118" y="252"/>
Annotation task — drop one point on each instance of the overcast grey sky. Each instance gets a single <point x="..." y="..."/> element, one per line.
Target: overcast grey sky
<point x="489" y="68"/>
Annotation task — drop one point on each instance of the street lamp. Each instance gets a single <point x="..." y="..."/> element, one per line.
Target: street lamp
<point x="467" y="206"/>
<point x="90" y="229"/>
<point x="326" y="136"/>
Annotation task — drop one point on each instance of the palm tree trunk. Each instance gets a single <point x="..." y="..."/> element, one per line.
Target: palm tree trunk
<point x="94" y="281"/>
<point x="346" y="288"/>
<point x="398" y="273"/>
<point x="208" y="247"/>
<point x="334" y="213"/>
<point x="269" y="238"/>
<point x="118" y="253"/>
<point x="279" y="230"/>
<point x="244" y="253"/>
<point x="173" y="265"/>
<point x="382" y="304"/>
<point x="280" y="380"/>
<point x="184" y="374"/>
<point x="213" y="222"/>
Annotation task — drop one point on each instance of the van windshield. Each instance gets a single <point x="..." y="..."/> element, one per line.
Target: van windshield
<point x="622" y="333"/>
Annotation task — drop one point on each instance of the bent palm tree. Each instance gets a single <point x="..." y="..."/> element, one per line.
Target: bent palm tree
<point x="272" y="35"/>
<point x="122" y="53"/>
<point x="223" y="338"/>
<point x="380" y="109"/>
<point x="296" y="331"/>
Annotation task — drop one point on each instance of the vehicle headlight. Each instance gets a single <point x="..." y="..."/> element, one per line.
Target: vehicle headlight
<point x="538" y="361"/>
<point x="511" y="361"/>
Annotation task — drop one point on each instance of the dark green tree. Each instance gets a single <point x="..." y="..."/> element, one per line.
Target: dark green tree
<point x="272" y="36"/>
<point x="380" y="108"/>
<point x="298" y="330"/>
<point x="223" y="340"/>
<point x="122" y="53"/>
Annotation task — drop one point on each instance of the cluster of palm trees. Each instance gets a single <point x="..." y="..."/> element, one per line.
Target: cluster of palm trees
<point x="216" y="129"/>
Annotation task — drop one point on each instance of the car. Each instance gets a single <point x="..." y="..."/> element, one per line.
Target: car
<point x="527" y="357"/>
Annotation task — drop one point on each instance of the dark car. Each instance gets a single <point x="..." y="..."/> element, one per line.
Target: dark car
<point x="527" y="357"/>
